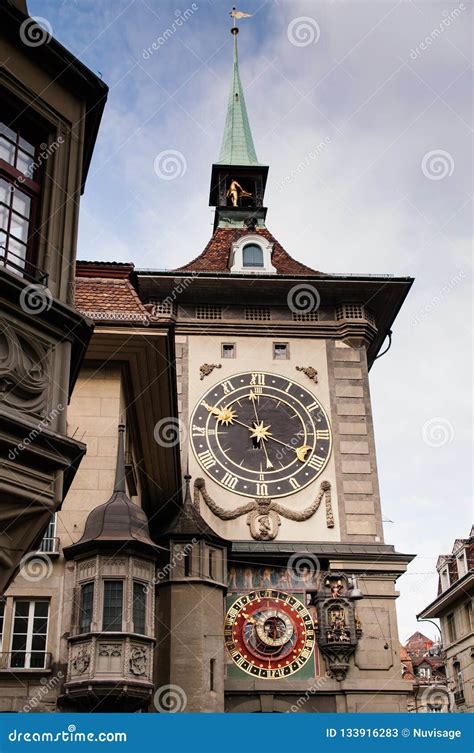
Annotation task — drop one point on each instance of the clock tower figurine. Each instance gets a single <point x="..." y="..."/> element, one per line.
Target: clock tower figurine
<point x="272" y="362"/>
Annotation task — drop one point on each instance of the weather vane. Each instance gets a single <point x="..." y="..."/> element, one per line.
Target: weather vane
<point x="236" y="15"/>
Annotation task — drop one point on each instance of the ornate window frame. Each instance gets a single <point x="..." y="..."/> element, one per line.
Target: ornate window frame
<point x="237" y="262"/>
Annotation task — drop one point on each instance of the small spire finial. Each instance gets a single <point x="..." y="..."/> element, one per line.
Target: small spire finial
<point x="119" y="485"/>
<point x="235" y="14"/>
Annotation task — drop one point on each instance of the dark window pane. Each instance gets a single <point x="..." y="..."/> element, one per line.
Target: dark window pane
<point x="38" y="643"/>
<point x="139" y="608"/>
<point x="85" y="607"/>
<point x="18" y="660"/>
<point x="22" y="608"/>
<point x="20" y="625"/>
<point x="113" y="604"/>
<point x="41" y="608"/>
<point x="19" y="642"/>
<point x="37" y="659"/>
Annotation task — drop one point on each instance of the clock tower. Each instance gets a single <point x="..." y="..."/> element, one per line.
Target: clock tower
<point x="294" y="586"/>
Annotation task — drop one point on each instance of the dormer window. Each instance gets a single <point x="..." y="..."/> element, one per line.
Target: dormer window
<point x="252" y="255"/>
<point x="461" y="563"/>
<point x="445" y="583"/>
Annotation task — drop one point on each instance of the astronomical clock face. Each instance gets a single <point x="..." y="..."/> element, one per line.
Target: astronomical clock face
<point x="261" y="435"/>
<point x="269" y="634"/>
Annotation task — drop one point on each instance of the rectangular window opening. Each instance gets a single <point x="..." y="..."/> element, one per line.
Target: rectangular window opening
<point x="113" y="606"/>
<point x="228" y="350"/>
<point x="281" y="351"/>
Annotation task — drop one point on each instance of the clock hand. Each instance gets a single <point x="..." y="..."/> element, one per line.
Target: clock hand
<point x="225" y="415"/>
<point x="260" y="432"/>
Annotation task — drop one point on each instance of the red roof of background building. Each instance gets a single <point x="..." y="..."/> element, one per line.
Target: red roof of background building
<point x="104" y="292"/>
<point x="216" y="255"/>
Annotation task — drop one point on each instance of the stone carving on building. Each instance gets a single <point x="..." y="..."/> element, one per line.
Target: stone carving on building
<point x="310" y="372"/>
<point x="263" y="514"/>
<point x="138" y="660"/>
<point x="24" y="370"/>
<point x="208" y="368"/>
<point x="81" y="661"/>
<point x="110" y="649"/>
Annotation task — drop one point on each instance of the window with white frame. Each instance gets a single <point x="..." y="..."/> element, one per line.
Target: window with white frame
<point x="113" y="606"/>
<point x="29" y="634"/>
<point x="49" y="540"/>
<point x="461" y="563"/>
<point x="445" y="582"/>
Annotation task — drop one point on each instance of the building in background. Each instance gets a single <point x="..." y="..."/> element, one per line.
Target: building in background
<point x="51" y="106"/>
<point x="423" y="666"/>
<point x="453" y="608"/>
<point x="263" y="582"/>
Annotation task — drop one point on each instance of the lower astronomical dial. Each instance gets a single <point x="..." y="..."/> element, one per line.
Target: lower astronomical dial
<point x="269" y="634"/>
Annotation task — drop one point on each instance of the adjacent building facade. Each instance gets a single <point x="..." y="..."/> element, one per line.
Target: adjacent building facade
<point x="51" y="107"/>
<point x="222" y="551"/>
<point x="453" y="608"/>
<point x="423" y="667"/>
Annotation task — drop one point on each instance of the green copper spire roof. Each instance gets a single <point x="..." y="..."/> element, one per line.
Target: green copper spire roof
<point x="237" y="145"/>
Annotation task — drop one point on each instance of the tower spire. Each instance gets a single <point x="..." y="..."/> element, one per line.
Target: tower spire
<point x="237" y="143"/>
<point x="119" y="485"/>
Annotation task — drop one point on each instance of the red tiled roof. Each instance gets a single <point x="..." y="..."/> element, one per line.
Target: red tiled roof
<point x="216" y="255"/>
<point x="104" y="292"/>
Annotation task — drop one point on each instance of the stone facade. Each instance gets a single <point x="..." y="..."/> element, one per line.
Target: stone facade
<point x="453" y="608"/>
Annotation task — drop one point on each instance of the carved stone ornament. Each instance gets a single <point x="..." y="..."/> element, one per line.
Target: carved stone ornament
<point x="24" y="367"/>
<point x="310" y="372"/>
<point x="110" y="649"/>
<point x="208" y="368"/>
<point x="81" y="661"/>
<point x="138" y="660"/>
<point x="263" y="515"/>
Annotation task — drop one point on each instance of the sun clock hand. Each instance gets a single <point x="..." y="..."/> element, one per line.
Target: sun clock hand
<point x="223" y="415"/>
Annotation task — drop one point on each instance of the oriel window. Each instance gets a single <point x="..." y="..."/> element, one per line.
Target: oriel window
<point x="113" y="605"/>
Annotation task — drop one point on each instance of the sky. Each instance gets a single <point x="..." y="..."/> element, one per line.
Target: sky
<point x="362" y="111"/>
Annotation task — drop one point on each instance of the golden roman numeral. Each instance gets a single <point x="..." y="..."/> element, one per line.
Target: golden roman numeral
<point x="262" y="490"/>
<point x="198" y="431"/>
<point x="257" y="378"/>
<point x="227" y="387"/>
<point x="294" y="483"/>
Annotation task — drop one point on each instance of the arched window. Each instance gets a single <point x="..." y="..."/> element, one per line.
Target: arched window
<point x="252" y="255"/>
